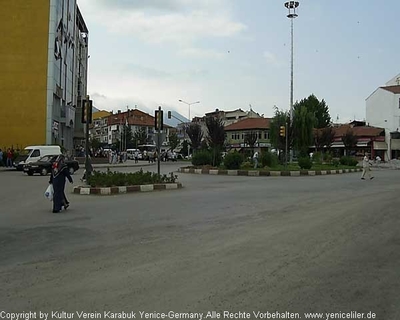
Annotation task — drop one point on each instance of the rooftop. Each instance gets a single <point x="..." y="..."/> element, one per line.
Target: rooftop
<point x="394" y="89"/>
<point x="250" y="124"/>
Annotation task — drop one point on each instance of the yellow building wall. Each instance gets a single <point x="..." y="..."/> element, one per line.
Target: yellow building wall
<point x="24" y="26"/>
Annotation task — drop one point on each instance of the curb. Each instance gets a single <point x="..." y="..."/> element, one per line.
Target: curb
<point x="256" y="173"/>
<point x="121" y="165"/>
<point x="128" y="189"/>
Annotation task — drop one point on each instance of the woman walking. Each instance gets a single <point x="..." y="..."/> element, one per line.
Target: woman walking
<point x="58" y="174"/>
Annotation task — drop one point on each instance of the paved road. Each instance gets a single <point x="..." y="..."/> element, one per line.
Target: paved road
<point x="298" y="244"/>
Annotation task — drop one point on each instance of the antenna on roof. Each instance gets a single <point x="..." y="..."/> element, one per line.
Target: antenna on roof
<point x="250" y="106"/>
<point x="337" y="119"/>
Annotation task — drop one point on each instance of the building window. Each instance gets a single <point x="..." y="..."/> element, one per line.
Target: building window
<point x="259" y="135"/>
<point x="266" y="135"/>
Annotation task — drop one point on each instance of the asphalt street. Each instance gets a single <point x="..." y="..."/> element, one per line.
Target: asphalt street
<point x="297" y="244"/>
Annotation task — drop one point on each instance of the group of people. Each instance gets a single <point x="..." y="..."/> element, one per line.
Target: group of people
<point x="6" y="158"/>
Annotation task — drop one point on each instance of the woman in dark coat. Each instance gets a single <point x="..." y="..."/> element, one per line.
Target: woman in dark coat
<point x="58" y="174"/>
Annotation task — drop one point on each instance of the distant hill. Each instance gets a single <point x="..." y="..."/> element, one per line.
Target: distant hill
<point x="94" y="109"/>
<point x="174" y="122"/>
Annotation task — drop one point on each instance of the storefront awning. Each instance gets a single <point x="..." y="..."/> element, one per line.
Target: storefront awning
<point x="380" y="145"/>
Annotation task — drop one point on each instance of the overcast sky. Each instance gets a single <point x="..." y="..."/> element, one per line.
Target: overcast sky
<point x="229" y="54"/>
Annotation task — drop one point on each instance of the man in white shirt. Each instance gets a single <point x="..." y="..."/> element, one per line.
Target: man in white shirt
<point x="366" y="168"/>
<point x="255" y="159"/>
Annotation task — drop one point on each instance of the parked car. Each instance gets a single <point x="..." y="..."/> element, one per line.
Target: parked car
<point x="43" y="166"/>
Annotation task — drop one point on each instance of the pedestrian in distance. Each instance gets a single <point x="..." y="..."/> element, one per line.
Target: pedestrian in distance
<point x="1" y="158"/>
<point x="9" y="158"/>
<point x="58" y="175"/>
<point x="366" y="167"/>
<point x="255" y="159"/>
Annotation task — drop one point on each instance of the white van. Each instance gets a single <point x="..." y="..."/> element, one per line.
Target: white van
<point x="34" y="153"/>
<point x="131" y="154"/>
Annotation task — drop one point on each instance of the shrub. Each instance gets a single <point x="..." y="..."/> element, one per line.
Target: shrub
<point x="112" y="179"/>
<point x="269" y="159"/>
<point x="305" y="163"/>
<point x="233" y="161"/>
<point x="202" y="158"/>
<point x="336" y="162"/>
<point x="348" y="161"/>
<point x="317" y="157"/>
<point x="246" y="165"/>
<point x="327" y="157"/>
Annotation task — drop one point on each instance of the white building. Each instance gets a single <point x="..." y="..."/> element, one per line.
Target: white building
<point x="383" y="110"/>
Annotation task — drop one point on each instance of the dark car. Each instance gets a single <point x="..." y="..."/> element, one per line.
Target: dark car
<point x="43" y="166"/>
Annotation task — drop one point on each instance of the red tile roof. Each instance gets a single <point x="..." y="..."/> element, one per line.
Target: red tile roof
<point x="394" y="89"/>
<point x="249" y="124"/>
<point x="135" y="118"/>
<point x="363" y="131"/>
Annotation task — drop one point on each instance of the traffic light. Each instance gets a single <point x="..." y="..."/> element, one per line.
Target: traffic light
<point x="87" y="111"/>
<point x="169" y="115"/>
<point x="159" y="121"/>
<point x="282" y="131"/>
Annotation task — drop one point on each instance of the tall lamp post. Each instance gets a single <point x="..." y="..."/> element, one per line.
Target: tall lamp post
<point x="292" y="14"/>
<point x="190" y="120"/>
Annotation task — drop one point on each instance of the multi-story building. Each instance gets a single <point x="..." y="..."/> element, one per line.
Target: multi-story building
<point x="99" y="127"/>
<point x="236" y="133"/>
<point x="44" y="55"/>
<point x="137" y="120"/>
<point x="383" y="110"/>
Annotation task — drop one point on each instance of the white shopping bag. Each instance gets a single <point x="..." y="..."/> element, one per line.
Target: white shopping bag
<point x="49" y="192"/>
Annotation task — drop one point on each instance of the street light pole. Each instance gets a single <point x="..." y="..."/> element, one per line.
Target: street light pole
<point x="190" y="120"/>
<point x="291" y="6"/>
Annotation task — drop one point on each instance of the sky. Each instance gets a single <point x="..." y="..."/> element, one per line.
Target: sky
<point x="231" y="54"/>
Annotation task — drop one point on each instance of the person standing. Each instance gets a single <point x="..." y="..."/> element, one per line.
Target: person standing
<point x="1" y="158"/>
<point x="255" y="159"/>
<point x="58" y="175"/>
<point x="9" y="158"/>
<point x="366" y="168"/>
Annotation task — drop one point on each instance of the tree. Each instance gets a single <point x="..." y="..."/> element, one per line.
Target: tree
<point x="185" y="148"/>
<point x="95" y="144"/>
<point x="127" y="136"/>
<point x="250" y="138"/>
<point x="349" y="140"/>
<point x="281" y="118"/>
<point x="319" y="110"/>
<point x="303" y="123"/>
<point x="195" y="135"/>
<point x="140" y="136"/>
<point x="327" y="137"/>
<point x="173" y="141"/>
<point x="216" y="138"/>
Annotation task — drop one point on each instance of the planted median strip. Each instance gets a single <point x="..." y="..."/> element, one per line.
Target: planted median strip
<point x="111" y="183"/>
<point x="257" y="173"/>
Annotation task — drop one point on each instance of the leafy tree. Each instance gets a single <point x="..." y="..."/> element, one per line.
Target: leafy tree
<point x="127" y="135"/>
<point x="216" y="138"/>
<point x="281" y="118"/>
<point x="173" y="141"/>
<point x="319" y="110"/>
<point x="303" y="122"/>
<point x="250" y="138"/>
<point x="95" y="143"/>
<point x="185" y="148"/>
<point x="140" y="136"/>
<point x="328" y="136"/>
<point x="195" y="135"/>
<point x="349" y="140"/>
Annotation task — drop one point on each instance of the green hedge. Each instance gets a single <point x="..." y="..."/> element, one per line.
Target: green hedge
<point x="269" y="159"/>
<point x="348" y="161"/>
<point x="305" y="163"/>
<point x="113" y="179"/>
<point x="202" y="158"/>
<point x="233" y="161"/>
